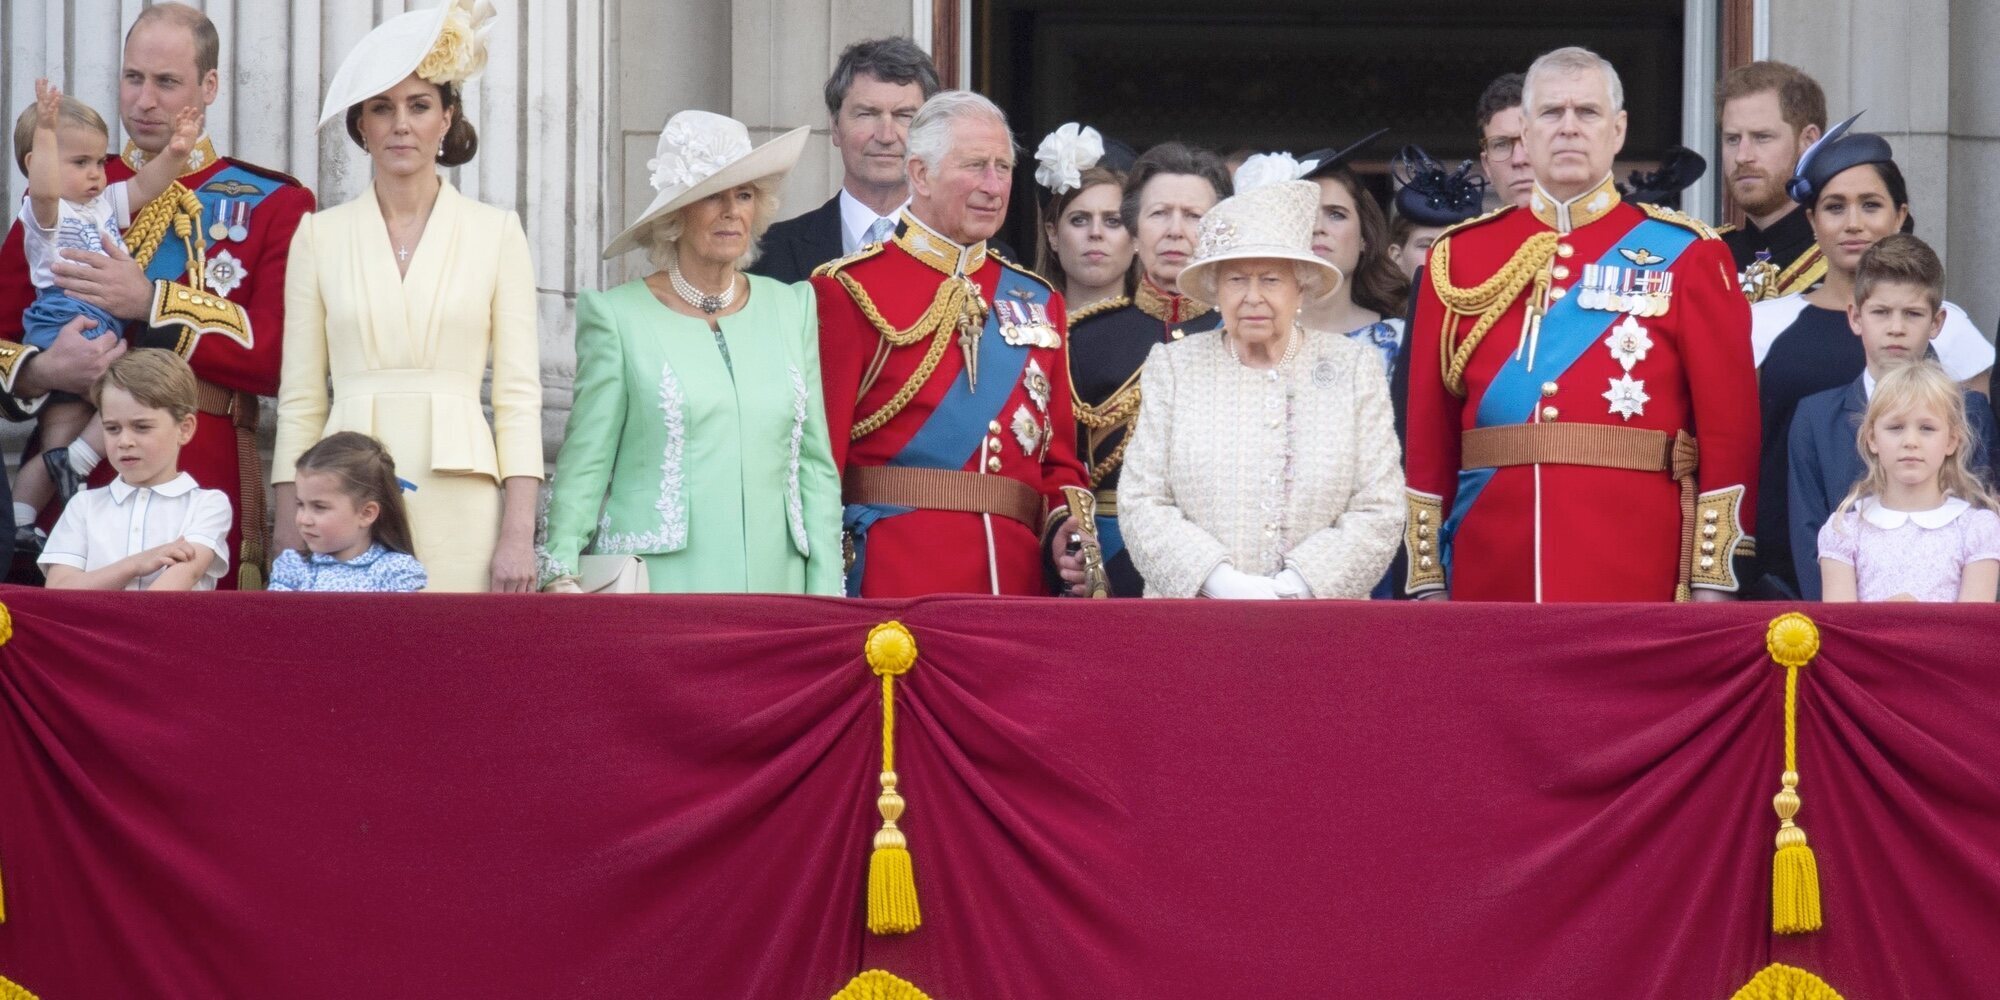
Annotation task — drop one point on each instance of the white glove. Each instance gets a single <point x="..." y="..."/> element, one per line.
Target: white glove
<point x="1229" y="583"/>
<point x="1291" y="585"/>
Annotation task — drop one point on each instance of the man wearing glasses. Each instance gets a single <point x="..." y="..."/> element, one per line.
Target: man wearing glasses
<point x="1501" y="152"/>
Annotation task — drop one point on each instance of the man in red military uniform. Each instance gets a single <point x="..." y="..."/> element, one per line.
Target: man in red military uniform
<point x="1583" y="417"/>
<point x="207" y="278"/>
<point x="946" y="388"/>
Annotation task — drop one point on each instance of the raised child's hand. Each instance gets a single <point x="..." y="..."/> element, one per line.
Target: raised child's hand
<point x="187" y="131"/>
<point x="48" y="104"/>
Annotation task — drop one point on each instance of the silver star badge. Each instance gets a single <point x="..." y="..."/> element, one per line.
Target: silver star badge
<point x="1627" y="396"/>
<point x="1629" y="343"/>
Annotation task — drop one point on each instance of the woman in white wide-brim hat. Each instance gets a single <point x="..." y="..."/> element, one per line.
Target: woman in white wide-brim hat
<point x="401" y="296"/>
<point x="1265" y="462"/>
<point x="698" y="410"/>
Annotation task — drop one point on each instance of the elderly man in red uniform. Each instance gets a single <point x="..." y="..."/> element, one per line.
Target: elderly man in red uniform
<point x="946" y="387"/>
<point x="206" y="278"/>
<point x="1583" y="407"/>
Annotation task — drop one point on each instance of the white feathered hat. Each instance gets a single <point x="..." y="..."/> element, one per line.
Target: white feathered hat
<point x="702" y="153"/>
<point x="445" y="44"/>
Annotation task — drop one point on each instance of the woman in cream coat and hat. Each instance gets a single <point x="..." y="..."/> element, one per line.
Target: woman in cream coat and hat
<point x="698" y="430"/>
<point x="1265" y="462"/>
<point x="402" y="295"/>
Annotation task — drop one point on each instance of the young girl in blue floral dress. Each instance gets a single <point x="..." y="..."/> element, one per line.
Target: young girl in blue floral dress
<point x="351" y="518"/>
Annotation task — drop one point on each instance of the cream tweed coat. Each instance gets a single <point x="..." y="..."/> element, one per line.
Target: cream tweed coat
<point x="1264" y="469"/>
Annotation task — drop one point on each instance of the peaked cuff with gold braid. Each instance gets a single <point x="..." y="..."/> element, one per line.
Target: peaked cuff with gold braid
<point x="1716" y="539"/>
<point x="1420" y="538"/>
<point x="12" y="356"/>
<point x="189" y="305"/>
<point x="197" y="312"/>
<point x="892" y="880"/>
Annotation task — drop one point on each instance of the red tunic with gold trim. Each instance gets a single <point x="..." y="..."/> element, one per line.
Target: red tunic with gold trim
<point x="893" y="355"/>
<point x="1546" y="494"/>
<point x="226" y="316"/>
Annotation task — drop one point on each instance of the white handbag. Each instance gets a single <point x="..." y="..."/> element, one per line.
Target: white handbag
<point x="612" y="575"/>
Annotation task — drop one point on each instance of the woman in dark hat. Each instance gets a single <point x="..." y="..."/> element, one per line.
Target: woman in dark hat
<point x="1854" y="195"/>
<point x="1086" y="250"/>
<point x="1429" y="200"/>
<point x="1352" y="234"/>
<point x="1167" y="191"/>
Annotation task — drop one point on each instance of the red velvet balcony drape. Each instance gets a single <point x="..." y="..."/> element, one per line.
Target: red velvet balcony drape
<point x="260" y="796"/>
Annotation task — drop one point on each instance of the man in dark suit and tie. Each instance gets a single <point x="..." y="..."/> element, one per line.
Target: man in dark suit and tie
<point x="874" y="92"/>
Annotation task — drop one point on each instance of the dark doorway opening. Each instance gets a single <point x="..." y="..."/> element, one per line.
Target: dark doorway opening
<point x="1299" y="75"/>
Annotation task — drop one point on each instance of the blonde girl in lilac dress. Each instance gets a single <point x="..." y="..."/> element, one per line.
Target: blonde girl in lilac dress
<point x="1920" y="526"/>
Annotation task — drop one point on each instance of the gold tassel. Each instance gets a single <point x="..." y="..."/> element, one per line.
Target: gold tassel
<point x="11" y="990"/>
<point x="1793" y="641"/>
<point x="892" y="878"/>
<point x="878" y="985"/>
<point x="1785" y="982"/>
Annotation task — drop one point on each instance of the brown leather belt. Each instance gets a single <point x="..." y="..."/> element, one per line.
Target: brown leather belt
<point x="241" y="409"/>
<point x="943" y="489"/>
<point x="1601" y="445"/>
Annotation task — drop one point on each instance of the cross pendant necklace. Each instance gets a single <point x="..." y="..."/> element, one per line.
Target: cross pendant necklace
<point x="402" y="255"/>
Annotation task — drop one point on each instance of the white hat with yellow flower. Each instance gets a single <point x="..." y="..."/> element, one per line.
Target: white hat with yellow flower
<point x="445" y="45"/>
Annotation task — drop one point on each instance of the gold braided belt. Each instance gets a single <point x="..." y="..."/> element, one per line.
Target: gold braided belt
<point x="1488" y="300"/>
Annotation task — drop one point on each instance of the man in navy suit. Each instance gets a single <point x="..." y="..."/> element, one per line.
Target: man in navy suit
<point x="1898" y="309"/>
<point x="874" y="92"/>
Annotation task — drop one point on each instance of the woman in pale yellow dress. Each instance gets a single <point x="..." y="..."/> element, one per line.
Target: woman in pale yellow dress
<point x="401" y="296"/>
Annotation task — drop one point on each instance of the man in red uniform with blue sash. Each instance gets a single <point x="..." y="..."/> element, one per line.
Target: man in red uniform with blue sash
<point x="946" y="388"/>
<point x="1583" y="420"/>
<point x="207" y="280"/>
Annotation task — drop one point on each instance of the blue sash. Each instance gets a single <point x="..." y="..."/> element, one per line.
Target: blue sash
<point x="954" y="432"/>
<point x="230" y="184"/>
<point x="1110" y="538"/>
<point x="1568" y="330"/>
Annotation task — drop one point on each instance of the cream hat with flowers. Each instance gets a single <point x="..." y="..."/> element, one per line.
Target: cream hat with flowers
<point x="700" y="154"/>
<point x="445" y="45"/>
<point x="1273" y="222"/>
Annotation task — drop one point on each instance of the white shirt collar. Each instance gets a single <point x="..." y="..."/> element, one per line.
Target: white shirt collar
<point x="122" y="491"/>
<point x="1936" y="517"/>
<point x="1867" y="384"/>
<point x="855" y="218"/>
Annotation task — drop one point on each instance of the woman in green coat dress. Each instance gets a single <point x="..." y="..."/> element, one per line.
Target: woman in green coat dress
<point x="697" y="440"/>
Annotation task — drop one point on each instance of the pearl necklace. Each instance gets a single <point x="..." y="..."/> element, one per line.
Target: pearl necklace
<point x="1291" y="349"/>
<point x="710" y="304"/>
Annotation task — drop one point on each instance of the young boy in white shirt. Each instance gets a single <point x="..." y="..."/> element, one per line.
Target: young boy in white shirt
<point x="152" y="528"/>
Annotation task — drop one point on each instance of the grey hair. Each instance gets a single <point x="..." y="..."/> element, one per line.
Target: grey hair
<point x="1572" y="59"/>
<point x="662" y="237"/>
<point x="930" y="132"/>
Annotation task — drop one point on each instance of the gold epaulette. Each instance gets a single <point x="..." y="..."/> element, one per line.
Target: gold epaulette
<point x="1681" y="219"/>
<point x="1724" y="229"/>
<point x="1802" y="274"/>
<point x="834" y="265"/>
<point x="1099" y="308"/>
<point x="1469" y="223"/>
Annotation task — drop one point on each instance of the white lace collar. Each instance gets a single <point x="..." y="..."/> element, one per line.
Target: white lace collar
<point x="1936" y="517"/>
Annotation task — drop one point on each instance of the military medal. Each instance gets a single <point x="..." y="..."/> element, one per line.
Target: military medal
<point x="219" y="230"/>
<point x="1627" y="396"/>
<point x="1629" y="343"/>
<point x="239" y="229"/>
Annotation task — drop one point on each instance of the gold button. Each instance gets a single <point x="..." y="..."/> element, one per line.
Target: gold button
<point x="1707" y="562"/>
<point x="1559" y="272"/>
<point x="1708" y="548"/>
<point x="1423" y="531"/>
<point x="1710" y="516"/>
<point x="183" y="296"/>
<point x="1565" y="251"/>
<point x="1548" y="388"/>
<point x="1424" y="563"/>
<point x="993" y="464"/>
<point x="1558" y="293"/>
<point x="1423" y="547"/>
<point x="1550" y="413"/>
<point x="1708" y="531"/>
<point x="1423" y="516"/>
<point x="993" y="427"/>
